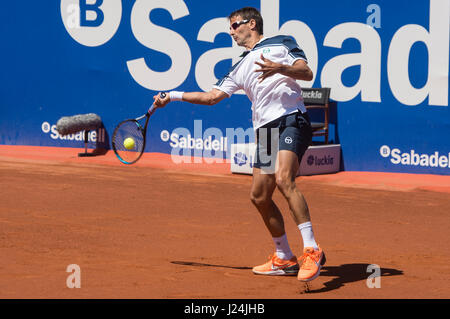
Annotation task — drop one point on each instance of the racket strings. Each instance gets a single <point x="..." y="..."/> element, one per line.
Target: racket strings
<point x="129" y="129"/>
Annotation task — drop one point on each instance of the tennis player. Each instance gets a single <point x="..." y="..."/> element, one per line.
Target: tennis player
<point x="267" y="73"/>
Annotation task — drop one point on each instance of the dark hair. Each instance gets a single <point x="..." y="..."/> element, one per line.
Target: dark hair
<point x="248" y="13"/>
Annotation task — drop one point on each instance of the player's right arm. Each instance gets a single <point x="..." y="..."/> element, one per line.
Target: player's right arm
<point x="204" y="98"/>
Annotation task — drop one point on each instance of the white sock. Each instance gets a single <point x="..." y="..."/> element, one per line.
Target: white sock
<point x="282" y="247"/>
<point x="308" y="235"/>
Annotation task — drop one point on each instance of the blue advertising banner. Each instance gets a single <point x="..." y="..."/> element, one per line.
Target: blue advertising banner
<point x="386" y="62"/>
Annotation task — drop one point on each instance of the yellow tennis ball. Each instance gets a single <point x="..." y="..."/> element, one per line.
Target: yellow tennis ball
<point x="129" y="143"/>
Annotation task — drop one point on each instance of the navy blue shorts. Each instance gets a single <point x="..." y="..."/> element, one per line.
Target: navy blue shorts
<point x="291" y="132"/>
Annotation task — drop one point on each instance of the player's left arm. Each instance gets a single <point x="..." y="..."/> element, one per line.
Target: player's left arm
<point x="299" y="70"/>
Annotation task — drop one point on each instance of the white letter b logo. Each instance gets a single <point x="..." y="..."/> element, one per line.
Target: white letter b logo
<point x="91" y="24"/>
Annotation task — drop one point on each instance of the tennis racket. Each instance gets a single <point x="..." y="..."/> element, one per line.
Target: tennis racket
<point x="129" y="137"/>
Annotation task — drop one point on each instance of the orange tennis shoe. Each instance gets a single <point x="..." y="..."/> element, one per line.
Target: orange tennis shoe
<point x="278" y="267"/>
<point x="313" y="260"/>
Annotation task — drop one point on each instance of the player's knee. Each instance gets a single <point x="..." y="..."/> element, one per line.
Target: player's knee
<point x="285" y="185"/>
<point x="259" y="200"/>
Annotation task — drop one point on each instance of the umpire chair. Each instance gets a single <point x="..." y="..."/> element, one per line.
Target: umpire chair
<point x="318" y="98"/>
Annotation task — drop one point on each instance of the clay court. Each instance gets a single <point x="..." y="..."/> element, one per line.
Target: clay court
<point x="160" y="230"/>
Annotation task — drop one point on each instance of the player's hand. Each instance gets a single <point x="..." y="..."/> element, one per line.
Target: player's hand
<point x="161" y="101"/>
<point x="268" y="68"/>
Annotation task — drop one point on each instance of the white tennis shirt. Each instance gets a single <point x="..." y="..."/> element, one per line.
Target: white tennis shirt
<point x="277" y="95"/>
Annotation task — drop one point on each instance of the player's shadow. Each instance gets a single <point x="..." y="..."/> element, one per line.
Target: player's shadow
<point x="348" y="273"/>
<point x="196" y="264"/>
<point x="343" y="274"/>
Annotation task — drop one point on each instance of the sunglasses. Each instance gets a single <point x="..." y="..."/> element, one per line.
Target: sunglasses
<point x="238" y="23"/>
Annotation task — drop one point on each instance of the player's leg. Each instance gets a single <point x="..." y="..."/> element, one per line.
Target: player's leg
<point x="285" y="180"/>
<point x="263" y="186"/>
<point x="263" y="183"/>
<point x="283" y="262"/>
<point x="294" y="140"/>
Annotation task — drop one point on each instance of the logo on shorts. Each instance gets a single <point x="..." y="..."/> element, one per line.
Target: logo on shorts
<point x="288" y="140"/>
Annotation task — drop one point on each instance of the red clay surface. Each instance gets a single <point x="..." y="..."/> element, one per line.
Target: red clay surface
<point x="163" y="230"/>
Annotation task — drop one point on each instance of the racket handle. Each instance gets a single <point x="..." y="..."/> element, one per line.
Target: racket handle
<point x="152" y="108"/>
